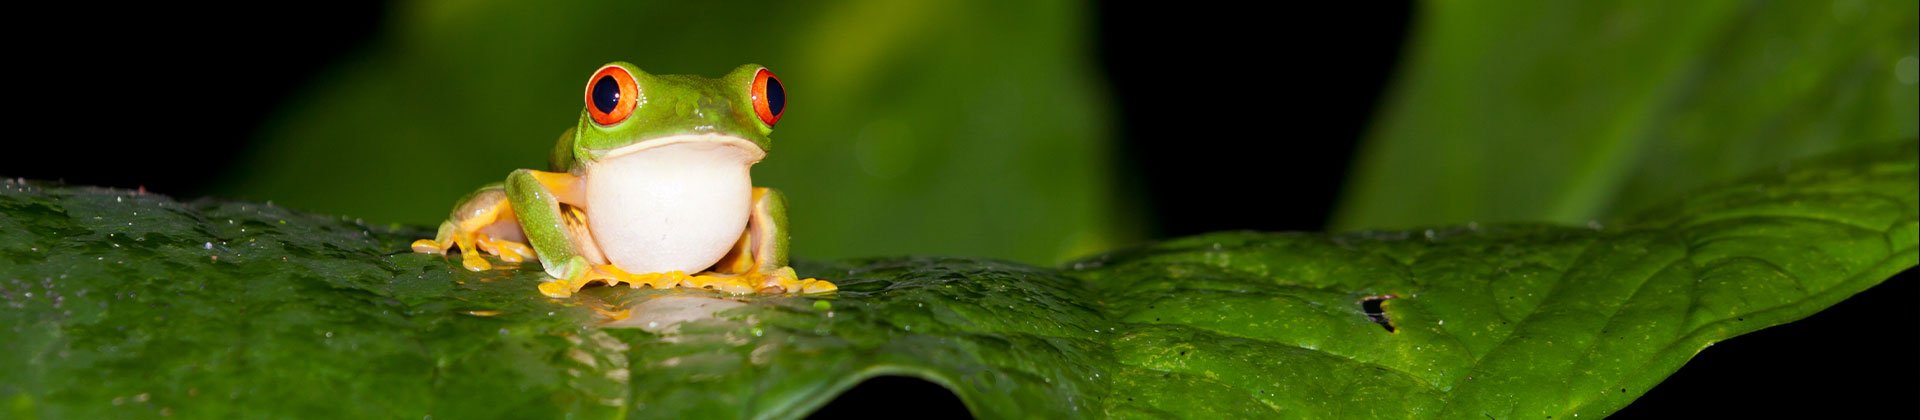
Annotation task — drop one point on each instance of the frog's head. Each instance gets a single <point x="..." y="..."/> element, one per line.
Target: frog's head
<point x="629" y="111"/>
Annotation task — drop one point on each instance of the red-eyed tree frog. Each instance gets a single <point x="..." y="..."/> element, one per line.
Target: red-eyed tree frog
<point x="652" y="183"/>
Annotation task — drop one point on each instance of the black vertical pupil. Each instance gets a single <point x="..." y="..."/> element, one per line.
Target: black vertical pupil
<point x="776" y="96"/>
<point x="606" y="94"/>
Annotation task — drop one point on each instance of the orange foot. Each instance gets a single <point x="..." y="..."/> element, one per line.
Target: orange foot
<point x="782" y="280"/>
<point x="473" y="248"/>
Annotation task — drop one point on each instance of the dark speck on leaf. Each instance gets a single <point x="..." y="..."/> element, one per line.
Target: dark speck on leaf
<point x="1371" y="305"/>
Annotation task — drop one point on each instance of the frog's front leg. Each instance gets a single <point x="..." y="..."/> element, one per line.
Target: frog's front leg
<point x="761" y="254"/>
<point x="482" y="222"/>
<point x="551" y="211"/>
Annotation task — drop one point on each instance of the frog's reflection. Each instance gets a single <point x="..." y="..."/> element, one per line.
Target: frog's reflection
<point x="663" y="314"/>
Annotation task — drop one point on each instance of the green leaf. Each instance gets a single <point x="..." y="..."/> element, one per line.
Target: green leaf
<point x="1575" y="111"/>
<point x="128" y="305"/>
<point x="901" y="112"/>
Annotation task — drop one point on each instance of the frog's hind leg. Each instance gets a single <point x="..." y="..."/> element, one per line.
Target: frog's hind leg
<point x="483" y="222"/>
<point x="760" y="257"/>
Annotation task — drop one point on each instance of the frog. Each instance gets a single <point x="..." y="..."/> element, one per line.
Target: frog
<point x="653" y="182"/>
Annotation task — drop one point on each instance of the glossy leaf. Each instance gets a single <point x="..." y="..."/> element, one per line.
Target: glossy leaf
<point x="128" y="305"/>
<point x="1576" y="111"/>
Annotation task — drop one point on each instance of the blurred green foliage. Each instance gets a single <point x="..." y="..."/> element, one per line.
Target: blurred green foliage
<point x="1571" y="111"/>
<point x="921" y="127"/>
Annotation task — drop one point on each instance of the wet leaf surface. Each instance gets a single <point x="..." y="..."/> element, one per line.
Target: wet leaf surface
<point x="120" y="304"/>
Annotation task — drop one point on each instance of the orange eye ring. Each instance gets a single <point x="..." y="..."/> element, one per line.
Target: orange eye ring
<point x="769" y="97"/>
<point x="611" y="95"/>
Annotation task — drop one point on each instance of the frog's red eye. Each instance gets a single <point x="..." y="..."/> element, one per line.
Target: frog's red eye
<point x="769" y="97"/>
<point x="612" y="95"/>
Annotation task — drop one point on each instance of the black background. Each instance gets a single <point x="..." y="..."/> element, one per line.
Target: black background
<point x="140" y="77"/>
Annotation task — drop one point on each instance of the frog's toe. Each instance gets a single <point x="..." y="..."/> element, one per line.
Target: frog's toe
<point x="442" y="240"/>
<point x="781" y="280"/>
<point x="473" y="261"/>
<point x="732" y="284"/>
<point x="508" y="251"/>
<point x="784" y="280"/>
<point x="557" y="288"/>
<point x="652" y="280"/>
<point x="816" y="286"/>
<point x="429" y="246"/>
<point x="516" y="250"/>
<point x="447" y="240"/>
<point x="564" y="287"/>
